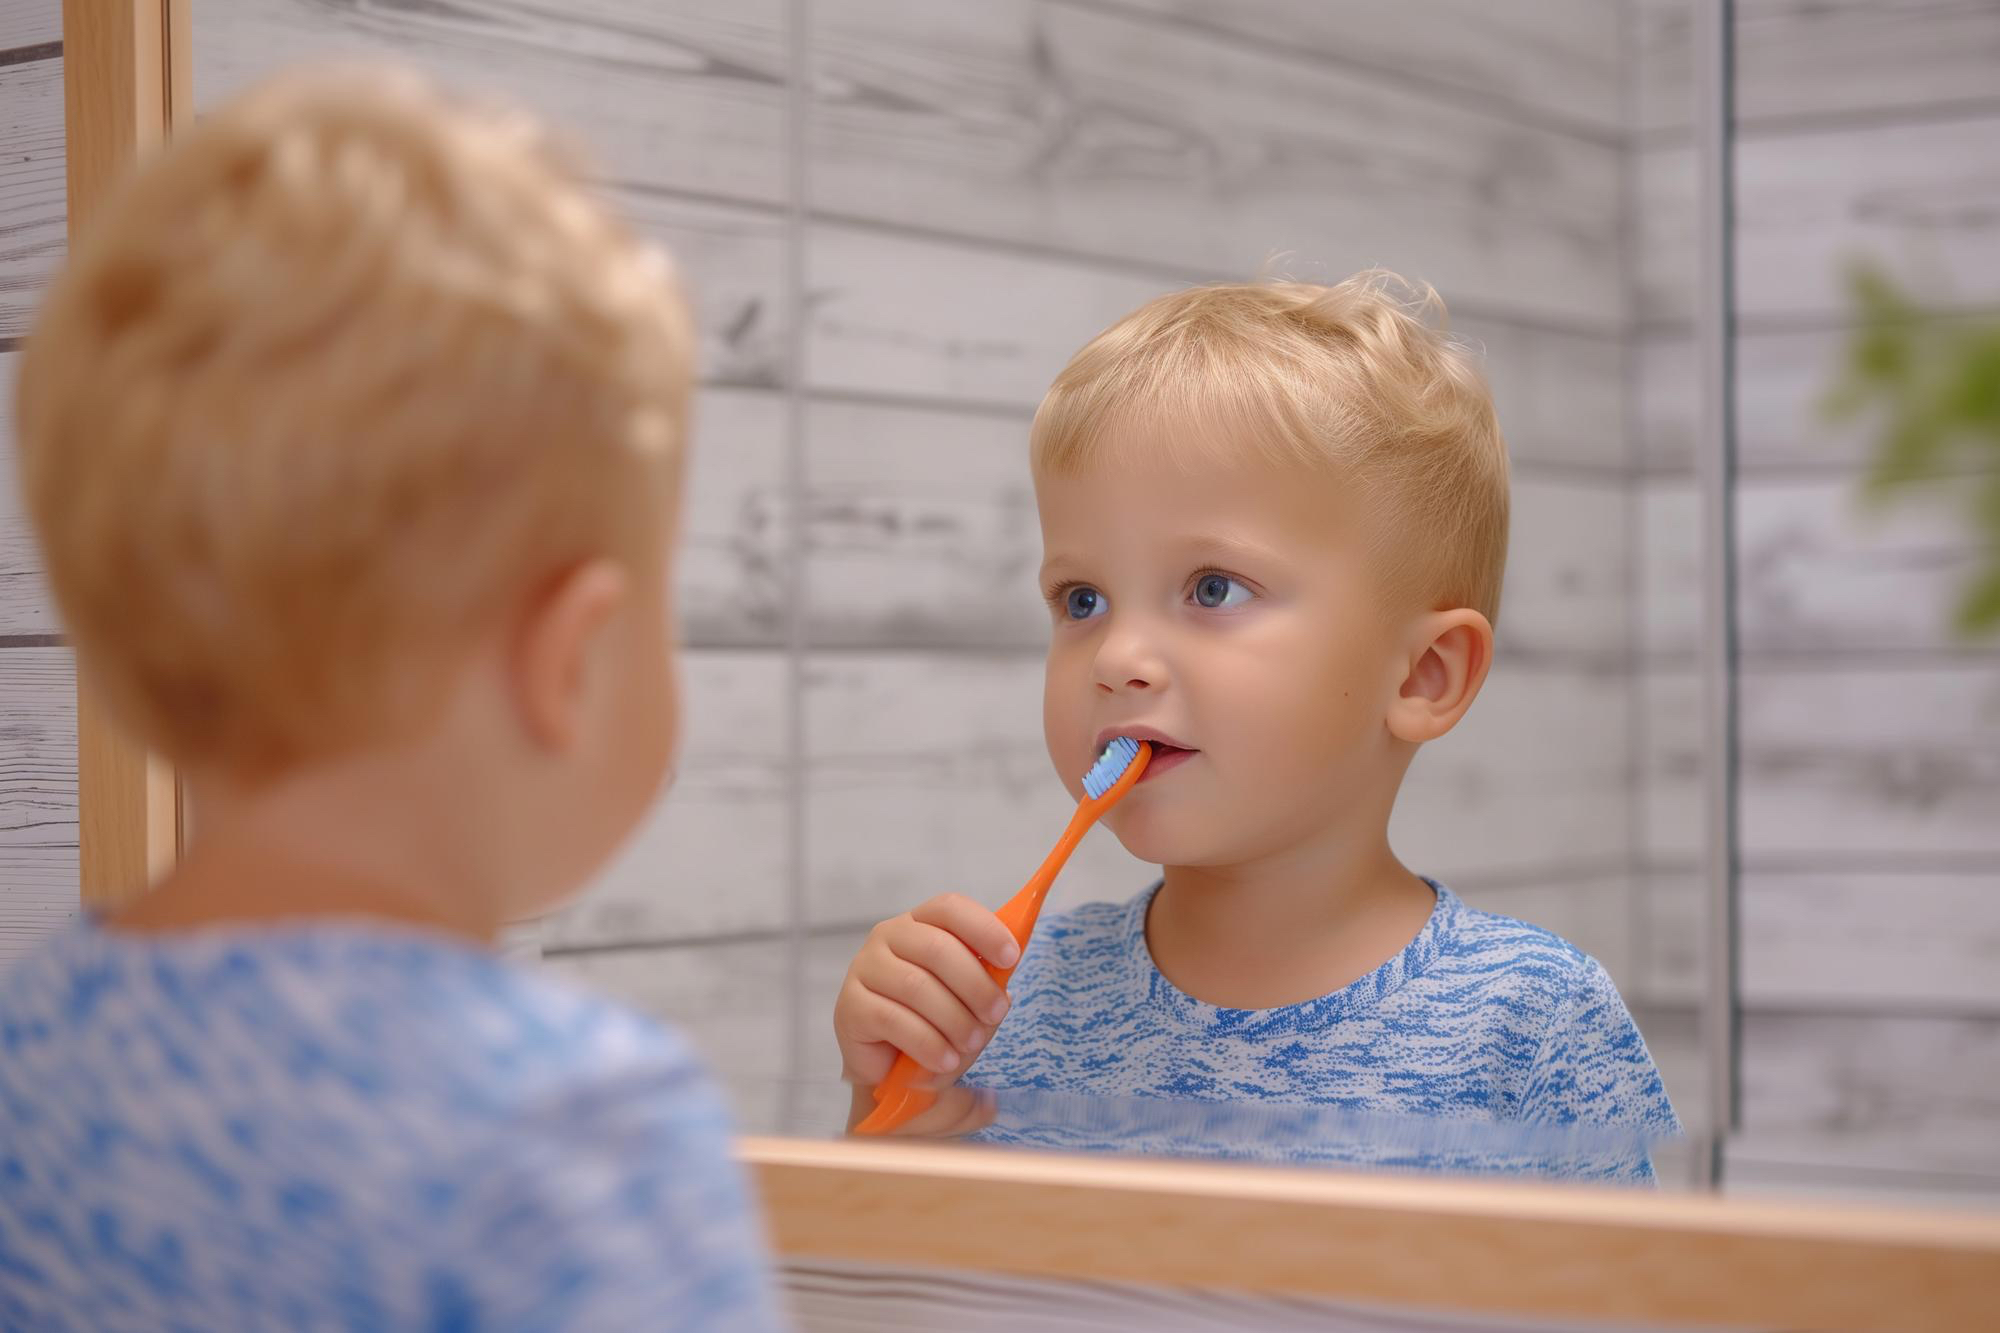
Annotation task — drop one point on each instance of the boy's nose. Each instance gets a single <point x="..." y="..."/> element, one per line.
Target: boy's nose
<point x="1128" y="662"/>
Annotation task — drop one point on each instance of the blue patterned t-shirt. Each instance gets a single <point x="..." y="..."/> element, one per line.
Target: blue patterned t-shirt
<point x="348" y="1128"/>
<point x="1486" y="1044"/>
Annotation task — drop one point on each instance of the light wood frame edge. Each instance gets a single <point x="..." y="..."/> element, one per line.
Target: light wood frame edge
<point x="1498" y="1247"/>
<point x="127" y="81"/>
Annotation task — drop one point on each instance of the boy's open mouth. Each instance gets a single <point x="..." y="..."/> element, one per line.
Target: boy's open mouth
<point x="1167" y="754"/>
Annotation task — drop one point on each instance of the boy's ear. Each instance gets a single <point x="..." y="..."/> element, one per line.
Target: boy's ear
<point x="557" y="649"/>
<point x="1449" y="655"/>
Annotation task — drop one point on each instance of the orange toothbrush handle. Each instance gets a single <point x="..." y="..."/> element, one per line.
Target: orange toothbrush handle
<point x="901" y="1097"/>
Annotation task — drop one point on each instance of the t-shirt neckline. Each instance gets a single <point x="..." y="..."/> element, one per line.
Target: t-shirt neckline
<point x="1352" y="1000"/>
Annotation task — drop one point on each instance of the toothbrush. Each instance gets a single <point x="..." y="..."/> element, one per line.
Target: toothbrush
<point x="900" y="1097"/>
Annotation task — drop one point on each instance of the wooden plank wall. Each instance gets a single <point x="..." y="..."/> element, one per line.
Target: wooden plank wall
<point x="980" y="187"/>
<point x="38" y="868"/>
<point x="1870" y="918"/>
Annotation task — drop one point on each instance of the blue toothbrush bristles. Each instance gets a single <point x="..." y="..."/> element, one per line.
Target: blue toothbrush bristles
<point x="1110" y="766"/>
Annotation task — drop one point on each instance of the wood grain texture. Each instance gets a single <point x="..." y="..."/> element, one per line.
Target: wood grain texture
<point x="1107" y="135"/>
<point x="1783" y="380"/>
<point x="731" y="1001"/>
<point x="33" y="191"/>
<point x="928" y="773"/>
<point x="827" y="1297"/>
<point x="1908" y="1092"/>
<point x="729" y="570"/>
<point x="662" y="93"/>
<point x="1553" y="61"/>
<point x="29" y="23"/>
<point x="25" y="605"/>
<point x="1821" y="571"/>
<point x="1862" y="767"/>
<point x="731" y="261"/>
<point x="118" y="104"/>
<point x="1917" y="198"/>
<point x="1836" y="60"/>
<point x="712" y="856"/>
<point x="1670" y="569"/>
<point x="877" y="326"/>
<point x="1872" y="942"/>
<point x="1542" y="1251"/>
<point x="922" y="533"/>
<point x="38" y="811"/>
<point x="1921" y="198"/>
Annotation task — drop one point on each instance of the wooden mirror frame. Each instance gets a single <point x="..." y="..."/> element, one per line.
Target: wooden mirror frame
<point x="1499" y="1248"/>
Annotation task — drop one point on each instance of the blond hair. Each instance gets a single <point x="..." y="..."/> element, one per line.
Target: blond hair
<point x="332" y="381"/>
<point x="1355" y="377"/>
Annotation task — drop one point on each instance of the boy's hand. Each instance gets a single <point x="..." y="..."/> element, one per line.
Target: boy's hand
<point x="918" y="985"/>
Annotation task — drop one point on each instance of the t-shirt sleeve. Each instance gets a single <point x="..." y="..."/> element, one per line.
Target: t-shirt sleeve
<point x="1593" y="1069"/>
<point x="617" y="1205"/>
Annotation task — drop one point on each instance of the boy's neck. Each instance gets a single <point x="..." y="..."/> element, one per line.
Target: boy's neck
<point x="353" y="846"/>
<point x="1287" y="928"/>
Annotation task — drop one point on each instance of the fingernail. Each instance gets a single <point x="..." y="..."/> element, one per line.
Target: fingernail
<point x="978" y="1040"/>
<point x="998" y="1010"/>
<point x="1009" y="955"/>
<point x="950" y="1061"/>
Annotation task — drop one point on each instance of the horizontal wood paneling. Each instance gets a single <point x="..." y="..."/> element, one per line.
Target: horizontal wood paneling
<point x="1832" y="60"/>
<point x="940" y="320"/>
<point x="1783" y="380"/>
<point x="1922" y="198"/>
<point x="1555" y="60"/>
<point x="731" y="259"/>
<point x="922" y="533"/>
<point x="25" y="606"/>
<point x="30" y="23"/>
<point x="1878" y="941"/>
<point x="712" y="857"/>
<point x="1910" y="1093"/>
<point x="1918" y="198"/>
<point x="1107" y="135"/>
<point x="38" y="868"/>
<point x="1820" y="571"/>
<point x="33" y="191"/>
<point x="731" y="1001"/>
<point x="730" y="568"/>
<point x="677" y="94"/>
<point x="1857" y="768"/>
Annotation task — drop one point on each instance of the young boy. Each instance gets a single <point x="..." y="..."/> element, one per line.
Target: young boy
<point x="1274" y="518"/>
<point x="352" y="435"/>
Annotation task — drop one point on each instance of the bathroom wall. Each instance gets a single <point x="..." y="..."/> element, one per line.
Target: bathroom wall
<point x="1870" y="925"/>
<point x="38" y="875"/>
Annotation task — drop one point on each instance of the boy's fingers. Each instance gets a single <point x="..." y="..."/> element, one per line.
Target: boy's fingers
<point x="946" y="956"/>
<point x="910" y="985"/>
<point x="981" y="930"/>
<point x="903" y="1028"/>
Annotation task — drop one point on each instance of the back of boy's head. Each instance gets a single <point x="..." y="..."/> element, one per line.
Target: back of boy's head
<point x="1354" y="379"/>
<point x="332" y="383"/>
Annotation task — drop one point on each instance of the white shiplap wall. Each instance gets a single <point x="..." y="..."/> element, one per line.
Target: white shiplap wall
<point x="38" y="870"/>
<point x="1870" y="910"/>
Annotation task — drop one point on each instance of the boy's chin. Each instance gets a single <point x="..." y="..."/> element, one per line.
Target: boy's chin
<point x="1159" y="839"/>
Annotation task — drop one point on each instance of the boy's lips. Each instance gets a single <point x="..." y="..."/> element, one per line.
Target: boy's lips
<point x="1168" y="753"/>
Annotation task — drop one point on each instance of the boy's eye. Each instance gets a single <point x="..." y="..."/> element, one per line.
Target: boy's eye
<point x="1216" y="590"/>
<point x="1082" y="603"/>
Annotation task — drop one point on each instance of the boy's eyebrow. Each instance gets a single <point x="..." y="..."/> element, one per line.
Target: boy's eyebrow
<point x="1224" y="548"/>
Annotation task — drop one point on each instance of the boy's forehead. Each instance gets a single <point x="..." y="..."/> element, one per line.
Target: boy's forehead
<point x="1218" y="510"/>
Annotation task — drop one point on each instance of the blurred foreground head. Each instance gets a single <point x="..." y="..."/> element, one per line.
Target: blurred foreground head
<point x="336" y="394"/>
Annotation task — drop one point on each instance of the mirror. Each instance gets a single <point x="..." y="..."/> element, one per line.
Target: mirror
<point x="900" y="218"/>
